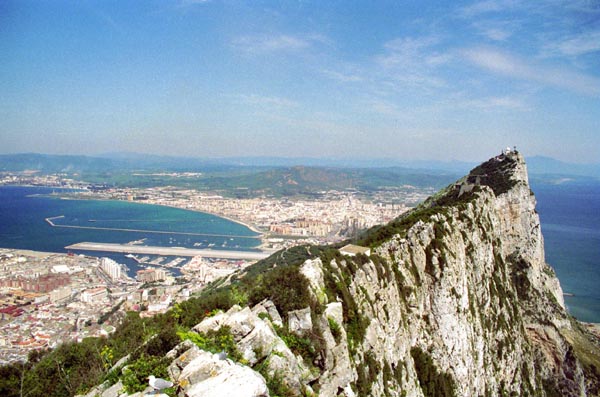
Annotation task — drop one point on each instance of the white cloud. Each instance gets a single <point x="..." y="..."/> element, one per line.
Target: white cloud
<point x="342" y="76"/>
<point x="580" y="44"/>
<point x="437" y="59"/>
<point x="497" y="34"/>
<point x="265" y="101"/>
<point x="487" y="6"/>
<point x="384" y="108"/>
<point x="274" y="43"/>
<point x="413" y="61"/>
<point x="498" y="103"/>
<point x="496" y="30"/>
<point x="498" y="62"/>
<point x="402" y="51"/>
<point x="506" y="64"/>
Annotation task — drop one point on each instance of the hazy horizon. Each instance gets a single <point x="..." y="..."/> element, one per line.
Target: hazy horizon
<point x="218" y="79"/>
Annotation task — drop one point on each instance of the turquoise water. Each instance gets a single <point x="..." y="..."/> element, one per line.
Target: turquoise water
<point x="22" y="224"/>
<point x="570" y="217"/>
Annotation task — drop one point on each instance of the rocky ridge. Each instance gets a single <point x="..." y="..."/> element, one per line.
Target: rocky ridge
<point x="455" y="299"/>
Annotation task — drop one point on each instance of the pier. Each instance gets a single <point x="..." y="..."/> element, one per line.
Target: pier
<point x="168" y="251"/>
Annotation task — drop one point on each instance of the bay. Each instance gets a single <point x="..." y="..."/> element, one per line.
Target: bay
<point x="23" y="211"/>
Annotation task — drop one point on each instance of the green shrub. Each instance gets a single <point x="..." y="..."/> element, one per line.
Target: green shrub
<point x="194" y="310"/>
<point x="214" y="341"/>
<point x="307" y="346"/>
<point x="285" y="286"/>
<point x="275" y="383"/>
<point x="335" y="329"/>
<point x="135" y="375"/>
<point x="496" y="175"/>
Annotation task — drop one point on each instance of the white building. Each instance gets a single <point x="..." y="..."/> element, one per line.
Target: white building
<point x="111" y="268"/>
<point x="94" y="295"/>
<point x="60" y="269"/>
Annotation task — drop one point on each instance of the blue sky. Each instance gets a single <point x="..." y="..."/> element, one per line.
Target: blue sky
<point x="404" y="80"/>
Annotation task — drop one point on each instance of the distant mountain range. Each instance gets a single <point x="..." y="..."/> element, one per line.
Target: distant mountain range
<point x="124" y="162"/>
<point x="289" y="181"/>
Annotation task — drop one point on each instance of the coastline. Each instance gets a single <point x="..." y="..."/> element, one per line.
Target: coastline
<point x="251" y="227"/>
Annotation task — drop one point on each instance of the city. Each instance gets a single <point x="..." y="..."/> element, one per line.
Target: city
<point x="50" y="298"/>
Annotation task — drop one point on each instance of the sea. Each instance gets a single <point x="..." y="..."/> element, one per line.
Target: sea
<point x="23" y="225"/>
<point x="570" y="218"/>
<point x="569" y="214"/>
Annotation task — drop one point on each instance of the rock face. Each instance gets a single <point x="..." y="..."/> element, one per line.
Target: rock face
<point x="258" y="342"/>
<point x="455" y="300"/>
<point x="471" y="288"/>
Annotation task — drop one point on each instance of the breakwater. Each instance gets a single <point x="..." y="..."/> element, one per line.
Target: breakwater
<point x="50" y="220"/>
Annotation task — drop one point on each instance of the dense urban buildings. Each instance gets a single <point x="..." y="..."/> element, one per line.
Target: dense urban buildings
<point x="48" y="298"/>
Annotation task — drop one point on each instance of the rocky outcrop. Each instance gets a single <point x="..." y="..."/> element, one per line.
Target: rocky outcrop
<point x="458" y="301"/>
<point x="455" y="300"/>
<point x="258" y="342"/>
<point x="210" y="375"/>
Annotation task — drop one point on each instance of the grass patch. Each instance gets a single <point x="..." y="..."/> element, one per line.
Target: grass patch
<point x="335" y="328"/>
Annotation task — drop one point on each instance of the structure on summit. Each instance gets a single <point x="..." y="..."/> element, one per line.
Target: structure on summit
<point x="455" y="299"/>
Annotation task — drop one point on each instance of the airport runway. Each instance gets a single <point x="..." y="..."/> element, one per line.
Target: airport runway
<point x="168" y="251"/>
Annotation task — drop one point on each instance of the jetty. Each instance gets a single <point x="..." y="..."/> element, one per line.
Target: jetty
<point x="168" y="251"/>
<point x="49" y="220"/>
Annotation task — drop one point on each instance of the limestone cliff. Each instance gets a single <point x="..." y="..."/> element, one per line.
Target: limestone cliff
<point x="455" y="299"/>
